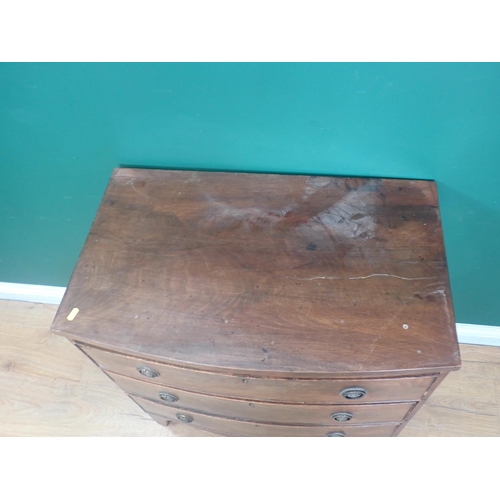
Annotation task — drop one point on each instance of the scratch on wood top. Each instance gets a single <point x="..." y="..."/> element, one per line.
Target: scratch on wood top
<point x="360" y="277"/>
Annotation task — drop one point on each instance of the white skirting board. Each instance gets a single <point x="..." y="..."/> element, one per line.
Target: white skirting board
<point x="32" y="293"/>
<point x="467" y="334"/>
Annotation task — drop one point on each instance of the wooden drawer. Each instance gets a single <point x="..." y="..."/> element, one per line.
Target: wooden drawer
<point x="264" y="412"/>
<point x="228" y="427"/>
<point x="264" y="389"/>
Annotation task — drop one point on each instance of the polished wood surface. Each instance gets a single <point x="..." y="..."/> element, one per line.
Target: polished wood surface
<point x="49" y="389"/>
<point x="271" y="274"/>
<point x="265" y="389"/>
<point x="224" y="426"/>
<point x="264" y="412"/>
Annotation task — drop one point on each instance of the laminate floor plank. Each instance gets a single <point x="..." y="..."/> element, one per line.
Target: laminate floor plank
<point x="479" y="353"/>
<point x="48" y="388"/>
<point x="467" y="402"/>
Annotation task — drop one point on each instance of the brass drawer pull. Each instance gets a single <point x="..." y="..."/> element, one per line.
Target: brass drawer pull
<point x="353" y="392"/>
<point x="147" y="372"/>
<point x="169" y="398"/>
<point x="184" y="418"/>
<point x="342" y="416"/>
<point x="337" y="434"/>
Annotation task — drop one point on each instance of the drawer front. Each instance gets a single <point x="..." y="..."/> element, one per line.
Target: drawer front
<point x="262" y="389"/>
<point x="265" y="412"/>
<point x="228" y="427"/>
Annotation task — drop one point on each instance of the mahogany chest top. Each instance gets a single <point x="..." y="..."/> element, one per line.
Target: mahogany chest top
<point x="280" y="275"/>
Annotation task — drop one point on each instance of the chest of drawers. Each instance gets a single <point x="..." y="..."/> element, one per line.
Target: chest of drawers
<point x="266" y="305"/>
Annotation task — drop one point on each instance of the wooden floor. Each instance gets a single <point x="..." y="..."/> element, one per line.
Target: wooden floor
<point x="48" y="388"/>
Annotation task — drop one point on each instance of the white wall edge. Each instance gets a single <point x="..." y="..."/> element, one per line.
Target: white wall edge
<point x="32" y="293"/>
<point x="467" y="334"/>
<point x="478" y="334"/>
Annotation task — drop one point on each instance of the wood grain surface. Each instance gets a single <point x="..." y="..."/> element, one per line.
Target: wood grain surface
<point x="229" y="427"/>
<point x="49" y="388"/>
<point x="266" y="273"/>
<point x="288" y="390"/>
<point x="264" y="412"/>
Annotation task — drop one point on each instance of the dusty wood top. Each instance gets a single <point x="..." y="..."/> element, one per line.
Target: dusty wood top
<point x="268" y="273"/>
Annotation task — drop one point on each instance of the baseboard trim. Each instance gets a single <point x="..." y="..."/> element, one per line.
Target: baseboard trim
<point x="478" y="334"/>
<point x="32" y="293"/>
<point x="467" y="334"/>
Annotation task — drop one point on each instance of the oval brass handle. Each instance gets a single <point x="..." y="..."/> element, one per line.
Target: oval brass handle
<point x="184" y="418"/>
<point x="170" y="398"/>
<point x="337" y="434"/>
<point x="353" y="392"/>
<point x="147" y="372"/>
<point x="342" y="416"/>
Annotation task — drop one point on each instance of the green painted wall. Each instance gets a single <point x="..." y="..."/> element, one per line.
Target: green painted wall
<point x="64" y="127"/>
